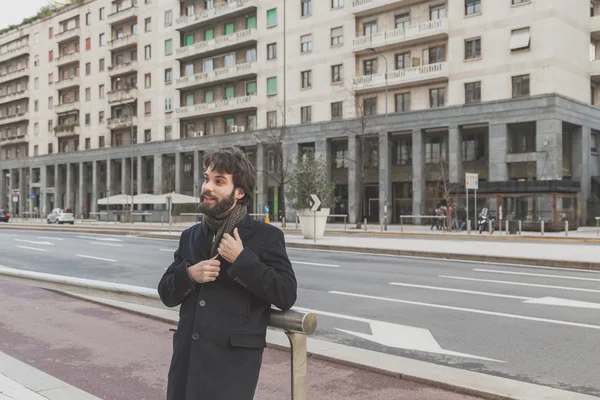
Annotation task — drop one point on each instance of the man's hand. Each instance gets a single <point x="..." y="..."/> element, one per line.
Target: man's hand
<point x="231" y="247"/>
<point x="205" y="271"/>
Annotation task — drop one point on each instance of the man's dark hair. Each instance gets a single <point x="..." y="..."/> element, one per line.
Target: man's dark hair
<point x="233" y="161"/>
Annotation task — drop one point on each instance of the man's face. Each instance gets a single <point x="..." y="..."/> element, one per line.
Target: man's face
<point x="219" y="195"/>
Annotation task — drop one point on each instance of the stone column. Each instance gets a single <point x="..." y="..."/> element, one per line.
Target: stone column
<point x="57" y="187"/>
<point x="108" y="178"/>
<point x="124" y="185"/>
<point x="30" y="190"/>
<point x="80" y="191"/>
<point x="323" y="150"/>
<point x="94" y="205"/>
<point x="548" y="143"/>
<point x="43" y="195"/>
<point x="418" y="174"/>
<point x="3" y="183"/>
<point x="586" y="171"/>
<point x="262" y="179"/>
<point x="196" y="169"/>
<point x="140" y="175"/>
<point x="353" y="161"/>
<point x="385" y="186"/>
<point x="68" y="187"/>
<point x="23" y="195"/>
<point x="177" y="172"/>
<point x="10" y="203"/>
<point x="498" y="147"/>
<point x="290" y="155"/>
<point x="455" y="164"/>
<point x="158" y="174"/>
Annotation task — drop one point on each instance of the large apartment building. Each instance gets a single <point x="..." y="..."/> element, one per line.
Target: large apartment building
<point x="400" y="97"/>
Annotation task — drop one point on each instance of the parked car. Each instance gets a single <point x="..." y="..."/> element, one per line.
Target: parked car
<point x="61" y="216"/>
<point x="4" y="215"/>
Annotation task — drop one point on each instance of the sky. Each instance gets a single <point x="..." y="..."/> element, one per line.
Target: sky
<point x="20" y="9"/>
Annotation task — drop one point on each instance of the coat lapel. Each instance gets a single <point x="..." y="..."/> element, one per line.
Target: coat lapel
<point x="200" y="245"/>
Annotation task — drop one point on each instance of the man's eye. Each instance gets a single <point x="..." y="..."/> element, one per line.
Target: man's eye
<point x="219" y="182"/>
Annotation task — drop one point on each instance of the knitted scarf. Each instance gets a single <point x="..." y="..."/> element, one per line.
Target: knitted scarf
<point x="221" y="226"/>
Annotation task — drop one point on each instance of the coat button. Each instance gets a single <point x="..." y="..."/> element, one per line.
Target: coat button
<point x="202" y="303"/>
<point x="195" y="336"/>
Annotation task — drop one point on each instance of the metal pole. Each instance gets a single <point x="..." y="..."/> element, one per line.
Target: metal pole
<point x="468" y="222"/>
<point x="315" y="227"/>
<point x="542" y="228"/>
<point x="385" y="206"/>
<point x="566" y="228"/>
<point x="507" y="227"/>
<point x="298" y="352"/>
<point x="519" y="227"/>
<point x="365" y="224"/>
<point x="475" y="209"/>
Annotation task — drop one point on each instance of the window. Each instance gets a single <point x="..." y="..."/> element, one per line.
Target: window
<point x="190" y="9"/>
<point x="88" y="68"/>
<point x="472" y="48"/>
<point x="36" y="83"/>
<point x="402" y="102"/>
<point x="229" y="123"/>
<point x="436" y="149"/>
<point x="147" y="136"/>
<point x="337" y="36"/>
<point x="437" y="12"/>
<point x="189" y="39"/>
<point x="472" y="7"/>
<point x="520" y="86"/>
<point x="36" y="105"/>
<point x="271" y="119"/>
<point x="336" y="73"/>
<point x="305" y="43"/>
<point x="472" y="92"/>
<point x="514" y="2"/>
<point x="50" y="103"/>
<point x="101" y="65"/>
<point x="473" y="147"/>
<point x="50" y="56"/>
<point x="168" y="132"/>
<point x="369" y="28"/>
<point x="88" y="43"/>
<point x="337" y="3"/>
<point x="437" y="97"/>
<point x="101" y="91"/>
<point x="50" y="33"/>
<point x="271" y="17"/>
<point x="208" y="65"/>
<point x="229" y="92"/>
<point x="88" y="94"/>
<point x="520" y="39"/>
<point x="169" y="18"/>
<point x="35" y="150"/>
<point x="250" y="55"/>
<point x="209" y="127"/>
<point x="148" y="25"/>
<point x="272" y="51"/>
<point x="134" y="29"/>
<point x="209" y="96"/>
<point x="370" y="67"/>
<point x="251" y="22"/>
<point x="101" y="117"/>
<point x="168" y="76"/>
<point x="306" y="114"/>
<point x="402" y="60"/>
<point x="251" y="88"/>
<point x="306" y="77"/>
<point x="337" y="110"/>
<point x="148" y="108"/>
<point x="521" y="137"/>
<point x="251" y="122"/>
<point x="402" y="21"/>
<point x="50" y="150"/>
<point x="147" y="81"/>
<point x="88" y="143"/>
<point x="435" y="54"/>
<point x="88" y="18"/>
<point x="88" y="119"/>
<point x="102" y="13"/>
<point x="168" y="105"/>
<point x="101" y="142"/>
<point x="36" y="128"/>
<point x="209" y="34"/>
<point x="370" y="106"/>
<point x="306" y="7"/>
<point x="148" y="52"/>
<point x="102" y="39"/>
<point x="271" y="86"/>
<point x="168" y="47"/>
<point x="402" y="154"/>
<point x="50" y="125"/>
<point x="229" y="28"/>
<point x="51" y="77"/>
<point x="229" y="60"/>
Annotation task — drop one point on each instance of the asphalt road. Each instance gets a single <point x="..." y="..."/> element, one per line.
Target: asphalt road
<point x="531" y="324"/>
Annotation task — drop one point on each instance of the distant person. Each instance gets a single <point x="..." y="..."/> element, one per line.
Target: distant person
<point x="226" y="273"/>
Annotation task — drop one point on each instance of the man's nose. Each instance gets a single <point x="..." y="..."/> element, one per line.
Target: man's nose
<point x="207" y="187"/>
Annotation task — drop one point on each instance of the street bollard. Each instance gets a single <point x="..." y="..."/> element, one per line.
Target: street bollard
<point x="468" y="227"/>
<point x="283" y="222"/>
<point x="365" y="224"/>
<point x="161" y="219"/>
<point x="542" y="228"/>
<point x="296" y="223"/>
<point x="519" y="227"/>
<point x="507" y="227"/>
<point x="381" y="225"/>
<point x="567" y="228"/>
<point x="490" y="227"/>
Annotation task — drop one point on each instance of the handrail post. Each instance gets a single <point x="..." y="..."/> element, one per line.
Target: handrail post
<point x="566" y="228"/>
<point x="298" y="348"/>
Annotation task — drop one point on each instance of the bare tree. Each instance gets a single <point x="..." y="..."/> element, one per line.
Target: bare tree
<point x="439" y="173"/>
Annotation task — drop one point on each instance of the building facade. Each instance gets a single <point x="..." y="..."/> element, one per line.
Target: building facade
<point x="400" y="98"/>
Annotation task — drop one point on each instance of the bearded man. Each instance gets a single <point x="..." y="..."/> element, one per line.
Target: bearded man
<point x="226" y="274"/>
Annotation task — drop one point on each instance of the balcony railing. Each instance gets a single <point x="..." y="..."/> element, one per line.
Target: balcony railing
<point x="123" y="15"/>
<point x="225" y="105"/>
<point x="16" y="52"/>
<point x="217" y="43"/>
<point x="65" y="83"/>
<point x="66" y="107"/>
<point x="9" y="119"/>
<point x="400" y="35"/>
<point x="188" y="21"/>
<point x="119" y="69"/>
<point x="14" y="138"/>
<point x="14" y="96"/>
<point x="217" y="74"/>
<point x="402" y="76"/>
<point x="12" y="75"/>
<point x="67" y="58"/>
<point x="66" y="130"/>
<point x="124" y="41"/>
<point x="121" y="95"/>
<point x="66" y="35"/>
<point x="364" y="5"/>
<point x="121" y="122"/>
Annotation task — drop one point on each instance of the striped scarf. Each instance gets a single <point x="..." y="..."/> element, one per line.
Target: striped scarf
<point x="221" y="226"/>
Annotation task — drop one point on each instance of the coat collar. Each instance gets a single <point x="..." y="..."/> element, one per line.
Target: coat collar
<point x="202" y="244"/>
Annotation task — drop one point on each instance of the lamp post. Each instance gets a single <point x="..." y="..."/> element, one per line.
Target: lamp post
<point x="385" y="186"/>
<point x="132" y="157"/>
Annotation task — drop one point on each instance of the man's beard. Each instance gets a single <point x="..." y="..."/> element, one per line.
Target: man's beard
<point x="219" y="206"/>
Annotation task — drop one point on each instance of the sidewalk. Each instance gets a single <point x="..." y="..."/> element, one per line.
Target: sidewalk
<point x="116" y="355"/>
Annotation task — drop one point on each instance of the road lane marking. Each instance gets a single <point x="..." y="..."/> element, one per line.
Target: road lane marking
<point x="33" y="242"/>
<point x="494" y="271"/>
<point x="506" y="296"/>
<point x="96" y="258"/>
<point x="471" y="310"/>
<point x="315" y="264"/>
<point x="169" y="250"/>
<point x="99" y="238"/>
<point x="49" y="238"/>
<point x="520" y="284"/>
<point x="31" y="248"/>
<point x="107" y="244"/>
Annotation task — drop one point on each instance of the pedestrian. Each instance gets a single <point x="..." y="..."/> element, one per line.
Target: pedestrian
<point x="226" y="273"/>
<point x="435" y="222"/>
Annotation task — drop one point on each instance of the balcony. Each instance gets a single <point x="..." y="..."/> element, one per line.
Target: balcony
<point x="67" y="107"/>
<point x="220" y="106"/>
<point x="122" y="95"/>
<point x="121" y="122"/>
<point x="238" y="71"/>
<point x="67" y="35"/>
<point x="225" y="11"/>
<point x="123" y="42"/>
<point x="67" y="83"/>
<point x="21" y="94"/>
<point x="363" y="6"/>
<point x="67" y="58"/>
<point x="13" y="53"/>
<point x="14" y="138"/>
<point x="12" y="118"/>
<point x="221" y="43"/>
<point x="12" y="75"/>
<point x="123" y="15"/>
<point x="66" y="130"/>
<point x="595" y="27"/>
<point x="425" y="73"/>
<point x="429" y="30"/>
<point x="121" y="69"/>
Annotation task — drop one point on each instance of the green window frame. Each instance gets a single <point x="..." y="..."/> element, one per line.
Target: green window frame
<point x="250" y="88"/>
<point x="209" y="96"/>
<point x="230" y="120"/>
<point x="229" y="92"/>
<point x="229" y="28"/>
<point x="189" y="39"/>
<point x="272" y="85"/>
<point x="251" y="22"/>
<point x="209" y="34"/>
<point x="168" y="46"/>
<point x="189" y="100"/>
<point x="271" y="17"/>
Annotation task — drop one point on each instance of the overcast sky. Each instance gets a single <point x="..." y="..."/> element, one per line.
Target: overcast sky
<point x="16" y="10"/>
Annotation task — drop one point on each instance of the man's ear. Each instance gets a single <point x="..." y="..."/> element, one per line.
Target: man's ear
<point x="239" y="193"/>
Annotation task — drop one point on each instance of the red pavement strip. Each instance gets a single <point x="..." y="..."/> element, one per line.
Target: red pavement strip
<point x="116" y="355"/>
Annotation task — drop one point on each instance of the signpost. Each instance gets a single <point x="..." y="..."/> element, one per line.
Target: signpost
<point x="471" y="182"/>
<point x="267" y="210"/>
<point x="315" y="204"/>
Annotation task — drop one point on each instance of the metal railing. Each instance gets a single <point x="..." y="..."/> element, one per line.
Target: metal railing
<point x="296" y="325"/>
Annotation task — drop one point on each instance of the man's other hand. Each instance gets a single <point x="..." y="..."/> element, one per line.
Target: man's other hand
<point x="205" y="271"/>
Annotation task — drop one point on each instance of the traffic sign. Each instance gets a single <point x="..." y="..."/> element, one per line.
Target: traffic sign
<point x="315" y="203"/>
<point x="472" y="181"/>
<point x="31" y="196"/>
<point x="267" y="209"/>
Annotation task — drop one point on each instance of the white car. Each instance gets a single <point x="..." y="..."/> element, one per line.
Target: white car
<point x="61" y="216"/>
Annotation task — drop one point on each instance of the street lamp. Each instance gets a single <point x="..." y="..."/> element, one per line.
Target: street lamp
<point x="132" y="157"/>
<point x="385" y="186"/>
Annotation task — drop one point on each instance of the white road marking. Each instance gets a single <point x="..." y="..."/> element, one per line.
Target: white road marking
<point x="315" y="264"/>
<point x="107" y="244"/>
<point x="520" y="284"/>
<point x="471" y="310"/>
<point x="33" y="242"/>
<point x="31" y="248"/>
<point x="553" y="301"/>
<point x="100" y="238"/>
<point x="506" y="296"/>
<point x="398" y="336"/>
<point x="494" y="271"/>
<point x="96" y="258"/>
<point x="49" y="238"/>
<point x="169" y="250"/>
